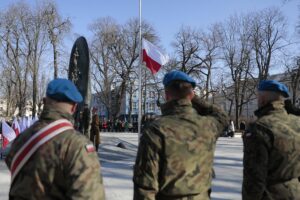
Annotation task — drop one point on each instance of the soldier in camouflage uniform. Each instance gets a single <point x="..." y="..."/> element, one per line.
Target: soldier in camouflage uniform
<point x="175" y="154"/>
<point x="63" y="168"/>
<point x="272" y="148"/>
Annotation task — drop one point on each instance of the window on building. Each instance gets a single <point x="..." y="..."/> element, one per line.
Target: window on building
<point x="134" y="95"/>
<point x="152" y="107"/>
<point x="134" y="105"/>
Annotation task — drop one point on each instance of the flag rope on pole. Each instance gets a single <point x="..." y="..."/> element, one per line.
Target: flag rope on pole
<point x="140" y="69"/>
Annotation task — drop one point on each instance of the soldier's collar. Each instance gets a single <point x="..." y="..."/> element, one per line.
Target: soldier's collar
<point x="170" y="107"/>
<point x="53" y="113"/>
<point x="273" y="106"/>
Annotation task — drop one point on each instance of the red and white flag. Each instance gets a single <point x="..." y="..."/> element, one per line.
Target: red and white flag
<point x="24" y="124"/>
<point x="153" y="56"/>
<point x="8" y="134"/>
<point x="28" y="121"/>
<point x="16" y="127"/>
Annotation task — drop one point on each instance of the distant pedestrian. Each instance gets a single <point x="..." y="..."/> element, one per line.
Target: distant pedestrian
<point x="95" y="131"/>
<point x="242" y="127"/>
<point x="104" y="125"/>
<point x="231" y="129"/>
<point x="86" y="120"/>
<point x="109" y="126"/>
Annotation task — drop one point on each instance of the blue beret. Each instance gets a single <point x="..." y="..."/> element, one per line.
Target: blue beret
<point x="63" y="90"/>
<point x="274" y="86"/>
<point x="178" y="76"/>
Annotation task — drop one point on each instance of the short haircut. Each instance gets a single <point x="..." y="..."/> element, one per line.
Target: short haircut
<point x="179" y="89"/>
<point x="273" y="96"/>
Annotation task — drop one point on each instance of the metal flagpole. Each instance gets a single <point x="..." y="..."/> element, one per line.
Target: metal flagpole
<point x="140" y="68"/>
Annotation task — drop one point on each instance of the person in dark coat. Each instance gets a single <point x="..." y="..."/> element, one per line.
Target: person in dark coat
<point x="95" y="131"/>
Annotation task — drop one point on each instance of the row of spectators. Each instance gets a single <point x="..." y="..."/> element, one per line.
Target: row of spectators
<point x="122" y="125"/>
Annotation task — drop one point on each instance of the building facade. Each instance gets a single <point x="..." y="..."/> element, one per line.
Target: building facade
<point x="149" y="103"/>
<point x="250" y="106"/>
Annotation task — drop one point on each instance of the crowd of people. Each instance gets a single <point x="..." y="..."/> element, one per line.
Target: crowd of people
<point x="117" y="126"/>
<point x="120" y="125"/>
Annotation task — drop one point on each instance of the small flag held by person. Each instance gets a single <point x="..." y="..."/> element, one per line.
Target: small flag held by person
<point x="16" y="127"/>
<point x="8" y="134"/>
<point x="153" y="56"/>
<point x="28" y="121"/>
<point x="24" y="124"/>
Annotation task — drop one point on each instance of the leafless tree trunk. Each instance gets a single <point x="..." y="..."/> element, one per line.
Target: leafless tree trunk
<point x="268" y="31"/>
<point x="293" y="77"/>
<point x="196" y="53"/>
<point x="57" y="28"/>
<point x="37" y="39"/>
<point x="105" y="31"/>
<point x="187" y="45"/>
<point x="17" y="53"/>
<point x="237" y="56"/>
<point x="126" y="51"/>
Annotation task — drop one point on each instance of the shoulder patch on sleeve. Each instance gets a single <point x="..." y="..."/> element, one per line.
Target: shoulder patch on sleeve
<point x="90" y="148"/>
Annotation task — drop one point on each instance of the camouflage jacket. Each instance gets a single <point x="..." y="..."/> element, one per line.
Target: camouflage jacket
<point x="175" y="154"/>
<point x="62" y="168"/>
<point x="272" y="155"/>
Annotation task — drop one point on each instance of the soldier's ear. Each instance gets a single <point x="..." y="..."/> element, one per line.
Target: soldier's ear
<point x="191" y="95"/>
<point x="74" y="106"/>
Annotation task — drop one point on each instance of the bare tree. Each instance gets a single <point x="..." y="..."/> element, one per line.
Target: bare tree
<point x="237" y="56"/>
<point x="36" y="39"/>
<point x="16" y="52"/>
<point x="196" y="52"/>
<point x="24" y="41"/>
<point x="210" y="43"/>
<point x="268" y="32"/>
<point x="131" y="91"/>
<point x="126" y="52"/>
<point x="57" y="28"/>
<point x="186" y="47"/>
<point x="8" y="88"/>
<point x="105" y="32"/>
<point x="292" y="72"/>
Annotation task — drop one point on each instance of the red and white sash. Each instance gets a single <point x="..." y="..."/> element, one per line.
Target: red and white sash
<point x="38" y="139"/>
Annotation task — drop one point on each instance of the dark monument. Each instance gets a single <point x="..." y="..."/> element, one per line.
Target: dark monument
<point x="79" y="73"/>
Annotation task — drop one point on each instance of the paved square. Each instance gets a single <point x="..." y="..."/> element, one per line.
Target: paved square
<point x="117" y="165"/>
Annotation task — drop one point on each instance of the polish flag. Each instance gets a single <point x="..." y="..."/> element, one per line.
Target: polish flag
<point x="16" y="127"/>
<point x="28" y="121"/>
<point x="153" y="56"/>
<point x="8" y="134"/>
<point x="24" y="124"/>
<point x="21" y="124"/>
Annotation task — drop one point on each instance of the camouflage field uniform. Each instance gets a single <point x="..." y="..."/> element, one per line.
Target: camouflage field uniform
<point x="272" y="155"/>
<point x="60" y="169"/>
<point x="176" y="151"/>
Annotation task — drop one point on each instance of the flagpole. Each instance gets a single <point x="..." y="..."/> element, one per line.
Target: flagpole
<point x="140" y="69"/>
